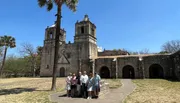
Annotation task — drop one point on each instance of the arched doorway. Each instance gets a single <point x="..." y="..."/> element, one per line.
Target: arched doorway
<point x="104" y="72"/>
<point x="128" y="72"/>
<point x="62" y="72"/>
<point x="156" y="71"/>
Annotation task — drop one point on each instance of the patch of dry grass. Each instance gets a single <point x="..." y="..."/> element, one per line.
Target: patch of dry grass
<point x="28" y="90"/>
<point x="113" y="83"/>
<point x="12" y="80"/>
<point x="155" y="91"/>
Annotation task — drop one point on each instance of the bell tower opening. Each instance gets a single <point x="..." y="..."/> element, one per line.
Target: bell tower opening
<point x="51" y="35"/>
<point x="82" y="30"/>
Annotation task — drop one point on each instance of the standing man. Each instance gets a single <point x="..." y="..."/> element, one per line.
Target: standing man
<point x="97" y="79"/>
<point x="84" y="81"/>
<point x="79" y="84"/>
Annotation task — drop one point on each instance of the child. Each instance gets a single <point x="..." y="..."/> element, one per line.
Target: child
<point x="90" y="86"/>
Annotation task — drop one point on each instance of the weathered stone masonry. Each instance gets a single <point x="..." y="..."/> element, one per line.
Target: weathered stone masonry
<point x="83" y="55"/>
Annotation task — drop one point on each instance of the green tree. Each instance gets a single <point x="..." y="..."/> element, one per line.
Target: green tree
<point x="163" y="52"/>
<point x="38" y="59"/>
<point x="29" y="52"/>
<point x="16" y="66"/>
<point x="1" y="51"/>
<point x="6" y="41"/>
<point x="71" y="4"/>
<point x="1" y="55"/>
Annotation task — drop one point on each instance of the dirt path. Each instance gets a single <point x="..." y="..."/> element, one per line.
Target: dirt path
<point x="114" y="95"/>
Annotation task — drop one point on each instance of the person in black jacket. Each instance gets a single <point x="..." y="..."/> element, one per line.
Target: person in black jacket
<point x="79" y="85"/>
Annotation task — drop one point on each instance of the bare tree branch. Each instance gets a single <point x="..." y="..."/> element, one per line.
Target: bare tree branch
<point x="28" y="51"/>
<point x="144" y="51"/>
<point x="171" y="46"/>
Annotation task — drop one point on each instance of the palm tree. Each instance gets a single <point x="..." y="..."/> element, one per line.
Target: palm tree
<point x="71" y="4"/>
<point x="6" y="41"/>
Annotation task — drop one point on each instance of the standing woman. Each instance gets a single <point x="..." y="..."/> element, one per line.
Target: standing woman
<point x="97" y="80"/>
<point x="90" y="86"/>
<point x="73" y="85"/>
<point x="68" y="84"/>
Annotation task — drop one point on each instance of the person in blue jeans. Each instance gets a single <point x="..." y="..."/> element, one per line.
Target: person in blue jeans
<point x="96" y="86"/>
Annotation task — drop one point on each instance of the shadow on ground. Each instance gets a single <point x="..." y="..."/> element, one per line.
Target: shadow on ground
<point x="16" y="91"/>
<point x="65" y="95"/>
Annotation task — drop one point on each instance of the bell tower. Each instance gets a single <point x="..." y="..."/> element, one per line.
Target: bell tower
<point x="47" y="59"/>
<point x="85" y="37"/>
<point x="85" y="40"/>
<point x="85" y="30"/>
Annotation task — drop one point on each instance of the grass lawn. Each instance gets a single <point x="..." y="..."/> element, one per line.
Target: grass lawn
<point x="155" y="91"/>
<point x="28" y="90"/>
<point x="113" y="83"/>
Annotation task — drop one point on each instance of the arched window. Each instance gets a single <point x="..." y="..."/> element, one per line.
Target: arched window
<point x="68" y="55"/>
<point x="93" y="33"/>
<point x="47" y="67"/>
<point x="82" y="29"/>
<point x="51" y="35"/>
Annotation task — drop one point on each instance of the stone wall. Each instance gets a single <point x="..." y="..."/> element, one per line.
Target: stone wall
<point x="112" y="53"/>
<point x="105" y="62"/>
<point x="175" y="57"/>
<point x="139" y="68"/>
<point x="125" y="61"/>
<point x="163" y="60"/>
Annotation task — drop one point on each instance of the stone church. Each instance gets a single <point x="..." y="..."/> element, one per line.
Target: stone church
<point x="83" y="55"/>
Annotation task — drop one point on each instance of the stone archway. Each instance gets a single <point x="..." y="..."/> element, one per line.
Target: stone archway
<point x="62" y="72"/>
<point x="104" y="72"/>
<point x="156" y="71"/>
<point x="128" y="72"/>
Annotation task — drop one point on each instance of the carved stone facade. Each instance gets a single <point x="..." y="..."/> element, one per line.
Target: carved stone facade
<point x="83" y="55"/>
<point x="73" y="57"/>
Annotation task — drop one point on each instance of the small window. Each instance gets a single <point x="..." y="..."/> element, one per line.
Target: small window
<point x="82" y="29"/>
<point x="68" y="55"/>
<point x="92" y="31"/>
<point x="47" y="67"/>
<point x="51" y="35"/>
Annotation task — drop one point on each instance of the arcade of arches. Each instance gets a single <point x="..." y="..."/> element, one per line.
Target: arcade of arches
<point x="128" y="71"/>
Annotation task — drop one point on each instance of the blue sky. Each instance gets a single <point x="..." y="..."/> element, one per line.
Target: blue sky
<point x="129" y="24"/>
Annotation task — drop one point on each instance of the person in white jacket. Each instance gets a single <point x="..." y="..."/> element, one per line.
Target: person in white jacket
<point x="84" y="80"/>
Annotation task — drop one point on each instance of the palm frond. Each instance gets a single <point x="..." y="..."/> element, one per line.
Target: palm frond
<point x="8" y="41"/>
<point x="59" y="2"/>
<point x="71" y="4"/>
<point x="49" y="5"/>
<point x="42" y="3"/>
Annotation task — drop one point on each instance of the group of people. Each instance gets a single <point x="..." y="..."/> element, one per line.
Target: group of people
<point x="83" y="85"/>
